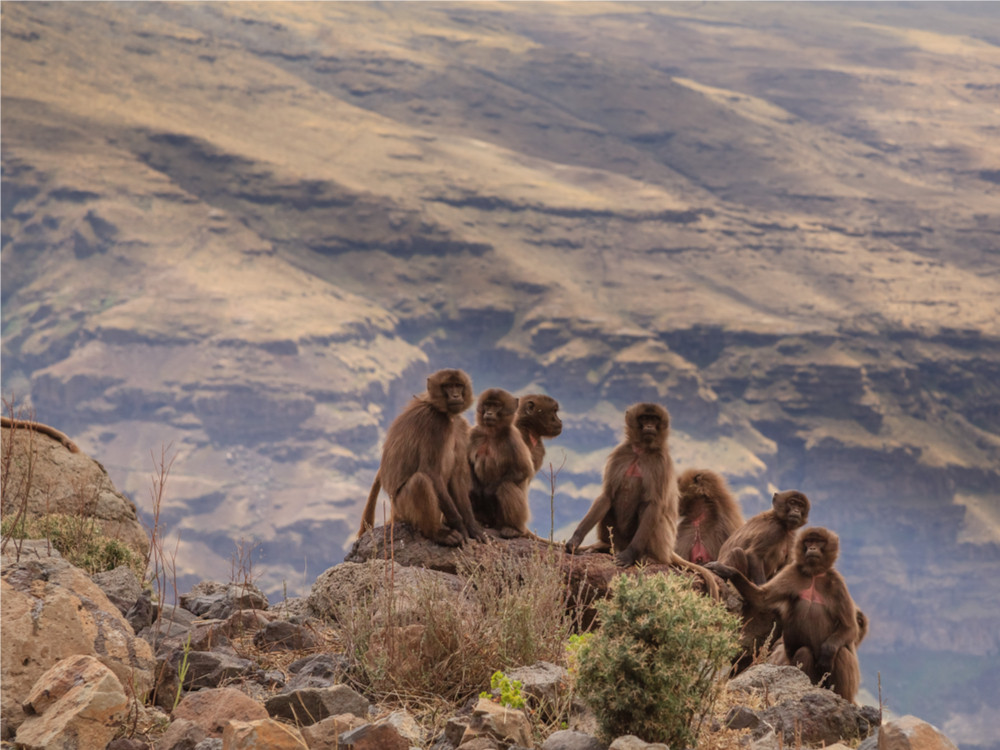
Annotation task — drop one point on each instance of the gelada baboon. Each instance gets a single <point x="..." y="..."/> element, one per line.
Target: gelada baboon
<point x="817" y="616"/>
<point x="537" y="418"/>
<point x="501" y="466"/>
<point x="42" y="429"/>
<point x="423" y="467"/>
<point x="637" y="508"/>
<point x="763" y="545"/>
<point x="709" y="514"/>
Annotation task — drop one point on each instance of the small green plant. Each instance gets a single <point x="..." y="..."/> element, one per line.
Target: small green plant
<point x="657" y="663"/>
<point x="182" y="671"/>
<point x="78" y="539"/>
<point x="510" y="690"/>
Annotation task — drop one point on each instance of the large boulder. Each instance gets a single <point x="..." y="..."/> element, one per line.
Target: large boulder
<point x="52" y="610"/>
<point x="51" y="475"/>
<point x="795" y="709"/>
<point x="77" y="704"/>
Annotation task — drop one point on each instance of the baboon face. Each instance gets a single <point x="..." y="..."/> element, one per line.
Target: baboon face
<point x="450" y="391"/>
<point x="496" y="407"/>
<point x="542" y="413"/>
<point x="792" y="507"/>
<point x="817" y="549"/>
<point x="647" y="424"/>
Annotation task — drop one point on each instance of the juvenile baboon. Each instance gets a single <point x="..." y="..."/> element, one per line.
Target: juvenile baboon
<point x="763" y="545"/>
<point x="423" y="467"/>
<point x="818" y="618"/>
<point x="43" y="429"/>
<point x="501" y="466"/>
<point x="537" y="418"/>
<point x="709" y="514"/>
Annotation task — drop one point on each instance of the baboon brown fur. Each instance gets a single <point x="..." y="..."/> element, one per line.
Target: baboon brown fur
<point x="779" y="658"/>
<point x="537" y="418"/>
<point x="763" y="545"/>
<point x="709" y="514"/>
<point x="818" y="618"/>
<point x="43" y="429"/>
<point x="637" y="508"/>
<point x="501" y="466"/>
<point x="423" y="469"/>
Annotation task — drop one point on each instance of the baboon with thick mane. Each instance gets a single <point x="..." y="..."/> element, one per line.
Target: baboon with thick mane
<point x="537" y="418"/>
<point x="709" y="514"/>
<point x="818" y="618"/>
<point x="501" y="466"/>
<point x="423" y="467"/>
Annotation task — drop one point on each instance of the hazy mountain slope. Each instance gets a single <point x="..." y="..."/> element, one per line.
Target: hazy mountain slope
<point x="250" y="230"/>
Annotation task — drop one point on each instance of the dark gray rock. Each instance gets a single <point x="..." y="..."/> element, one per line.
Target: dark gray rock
<point x="309" y="705"/>
<point x="286" y="636"/>
<point x="120" y="585"/>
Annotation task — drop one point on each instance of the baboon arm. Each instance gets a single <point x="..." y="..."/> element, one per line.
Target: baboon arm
<point x="645" y="526"/>
<point x="753" y="594"/>
<point x="448" y="505"/>
<point x="597" y="511"/>
<point x="846" y="631"/>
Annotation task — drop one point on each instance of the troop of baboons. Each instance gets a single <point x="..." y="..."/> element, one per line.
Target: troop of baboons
<point x="450" y="480"/>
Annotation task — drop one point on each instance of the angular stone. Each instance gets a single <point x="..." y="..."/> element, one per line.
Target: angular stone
<point x="566" y="739"/>
<point x="51" y="610"/>
<point x="204" y="669"/>
<point x="317" y="671"/>
<point x="910" y="733"/>
<point x="218" y="601"/>
<point x="182" y="734"/>
<point x="507" y="724"/>
<point x="374" y="737"/>
<point x="631" y="742"/>
<point x="281" y="635"/>
<point x="407" y="727"/>
<point x="121" y="586"/>
<point x="325" y="735"/>
<point x="542" y="683"/>
<point x="263" y="734"/>
<point x="307" y="706"/>
<point x="79" y="703"/>
<point x="213" y="708"/>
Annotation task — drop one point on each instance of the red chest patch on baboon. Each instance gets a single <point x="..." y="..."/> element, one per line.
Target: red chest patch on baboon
<point x="812" y="594"/>
<point x="634" y="470"/>
<point x="484" y="450"/>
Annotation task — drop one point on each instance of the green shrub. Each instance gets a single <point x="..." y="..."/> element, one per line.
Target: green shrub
<point x="655" y="666"/>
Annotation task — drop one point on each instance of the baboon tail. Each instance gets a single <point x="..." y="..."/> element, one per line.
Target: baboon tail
<point x="711" y="586"/>
<point x="368" y="515"/>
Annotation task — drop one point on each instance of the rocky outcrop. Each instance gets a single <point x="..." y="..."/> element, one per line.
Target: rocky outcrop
<point x="53" y="611"/>
<point x="47" y="477"/>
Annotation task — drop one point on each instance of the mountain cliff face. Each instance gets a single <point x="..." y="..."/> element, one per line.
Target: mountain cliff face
<point x="248" y="232"/>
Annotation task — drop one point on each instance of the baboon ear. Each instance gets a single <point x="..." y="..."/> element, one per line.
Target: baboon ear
<point x="529" y="407"/>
